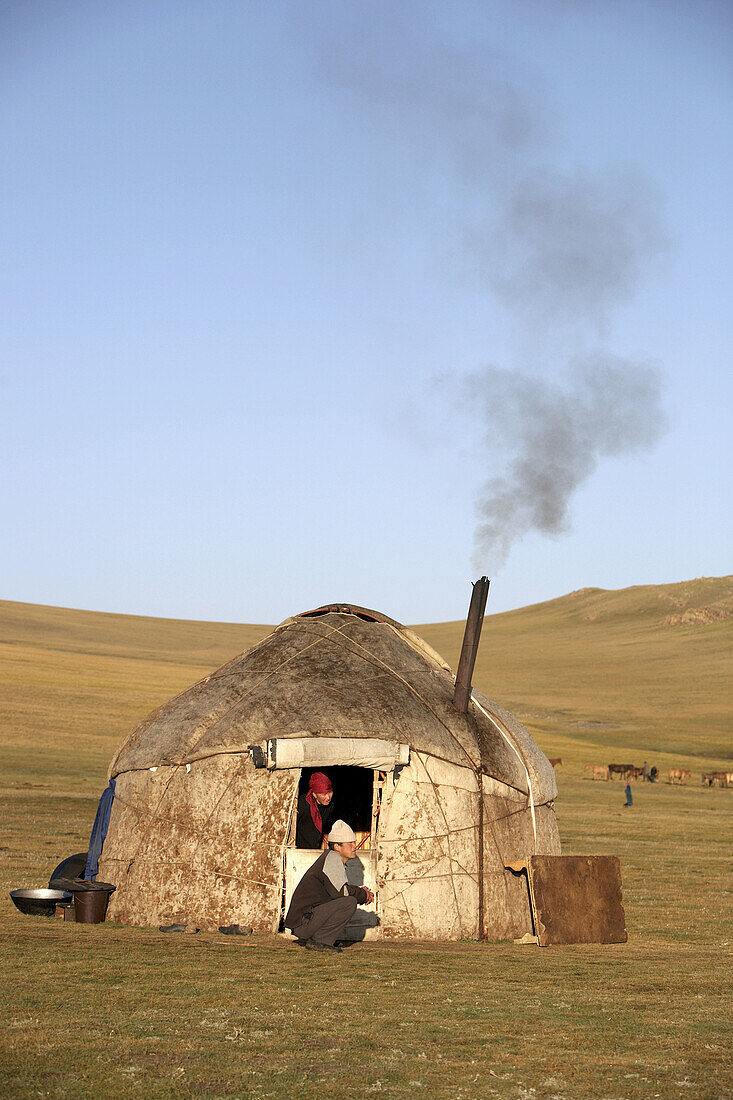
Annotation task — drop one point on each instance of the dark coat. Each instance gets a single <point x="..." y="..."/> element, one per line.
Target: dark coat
<point x="314" y="889"/>
<point x="306" y="834"/>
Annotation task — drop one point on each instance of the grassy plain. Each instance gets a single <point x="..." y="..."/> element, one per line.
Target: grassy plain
<point x="111" y="1011"/>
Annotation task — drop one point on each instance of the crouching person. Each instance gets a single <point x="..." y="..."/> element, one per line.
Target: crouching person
<point x="324" y="902"/>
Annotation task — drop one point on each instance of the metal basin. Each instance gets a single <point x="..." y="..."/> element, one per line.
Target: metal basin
<point x="39" y="903"/>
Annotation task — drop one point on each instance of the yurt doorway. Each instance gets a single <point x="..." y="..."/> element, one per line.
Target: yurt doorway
<point x="353" y="798"/>
<point x="357" y="799"/>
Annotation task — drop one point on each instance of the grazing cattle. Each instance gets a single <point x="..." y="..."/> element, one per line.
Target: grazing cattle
<point x="680" y="774"/>
<point x="555" y="760"/>
<point x="636" y="773"/>
<point x="620" y="770"/>
<point x="600" y="771"/>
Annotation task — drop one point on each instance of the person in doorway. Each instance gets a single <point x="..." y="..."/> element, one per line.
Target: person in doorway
<point x="315" y="812"/>
<point x="324" y="901"/>
<point x="627" y="792"/>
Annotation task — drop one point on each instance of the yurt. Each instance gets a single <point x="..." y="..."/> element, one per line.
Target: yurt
<point x="202" y="825"/>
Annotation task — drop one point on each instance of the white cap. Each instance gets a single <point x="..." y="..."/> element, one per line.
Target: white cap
<point x="340" y="833"/>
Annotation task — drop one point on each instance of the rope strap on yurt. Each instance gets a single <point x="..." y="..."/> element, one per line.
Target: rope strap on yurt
<point x="520" y="758"/>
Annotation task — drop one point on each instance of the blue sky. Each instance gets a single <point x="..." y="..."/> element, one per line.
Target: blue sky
<point x="272" y="269"/>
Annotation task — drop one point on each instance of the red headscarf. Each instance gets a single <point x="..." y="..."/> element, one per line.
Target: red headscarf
<point x="317" y="784"/>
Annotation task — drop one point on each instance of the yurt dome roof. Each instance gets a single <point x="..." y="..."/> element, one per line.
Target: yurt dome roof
<point x="338" y="671"/>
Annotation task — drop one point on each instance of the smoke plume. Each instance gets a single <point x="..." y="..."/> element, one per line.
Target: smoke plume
<point x="558" y="248"/>
<point x="555" y="434"/>
<point x="570" y="248"/>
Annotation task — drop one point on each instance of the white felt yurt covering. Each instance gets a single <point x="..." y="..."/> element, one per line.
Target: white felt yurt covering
<point x="201" y="828"/>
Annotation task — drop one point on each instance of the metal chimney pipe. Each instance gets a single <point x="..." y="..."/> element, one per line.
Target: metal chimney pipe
<point x="471" y="637"/>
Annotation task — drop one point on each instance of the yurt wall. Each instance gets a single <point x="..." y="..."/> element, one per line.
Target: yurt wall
<point x="199" y="842"/>
<point x="204" y="843"/>
<point x="428" y="854"/>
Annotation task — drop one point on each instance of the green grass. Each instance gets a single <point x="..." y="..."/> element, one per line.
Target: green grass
<point x="110" y="1011"/>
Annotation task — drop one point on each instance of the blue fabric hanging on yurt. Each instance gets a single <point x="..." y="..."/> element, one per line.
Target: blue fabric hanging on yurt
<point x="99" y="832"/>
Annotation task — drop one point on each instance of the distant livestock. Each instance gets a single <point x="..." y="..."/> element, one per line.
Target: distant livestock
<point x="621" y="770"/>
<point x="627" y="772"/>
<point x="555" y="761"/>
<point x="717" y="779"/>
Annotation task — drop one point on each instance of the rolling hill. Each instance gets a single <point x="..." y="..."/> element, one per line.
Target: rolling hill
<point x="643" y="672"/>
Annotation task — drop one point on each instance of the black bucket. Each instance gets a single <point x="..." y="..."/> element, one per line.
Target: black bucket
<point x="90" y="902"/>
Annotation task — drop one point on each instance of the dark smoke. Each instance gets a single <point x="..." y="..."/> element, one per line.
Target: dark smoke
<point x="570" y="248"/>
<point x="555" y="434"/>
<point x="559" y="246"/>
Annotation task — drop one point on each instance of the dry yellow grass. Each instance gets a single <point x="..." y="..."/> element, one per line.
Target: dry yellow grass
<point x="111" y="1011"/>
<point x="597" y="671"/>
